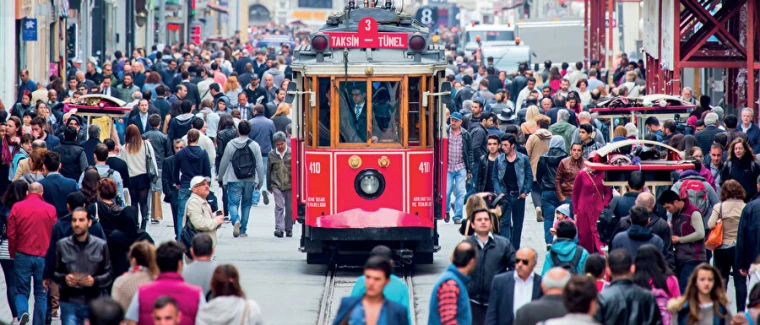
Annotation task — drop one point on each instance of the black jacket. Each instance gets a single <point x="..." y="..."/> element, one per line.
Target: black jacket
<point x="481" y="177"/>
<point x="659" y="227"/>
<point x="89" y="149"/>
<point x="91" y="259"/>
<point x="625" y="303"/>
<point x="748" y="235"/>
<point x="222" y="138"/>
<point x="744" y="171"/>
<point x="497" y="256"/>
<point x="552" y="114"/>
<point x="463" y="94"/>
<point x="535" y="312"/>
<point x="501" y="303"/>
<point x="479" y="135"/>
<point x="120" y="166"/>
<point x="625" y="203"/>
<point x="167" y="181"/>
<point x="705" y="137"/>
<point x="162" y="147"/>
<point x="547" y="168"/>
<point x="192" y="93"/>
<point x="72" y="155"/>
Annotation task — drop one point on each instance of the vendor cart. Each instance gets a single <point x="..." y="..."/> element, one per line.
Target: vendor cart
<point x="638" y="109"/>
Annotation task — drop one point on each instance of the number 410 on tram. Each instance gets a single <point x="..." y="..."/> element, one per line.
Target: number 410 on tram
<point x="369" y="138"/>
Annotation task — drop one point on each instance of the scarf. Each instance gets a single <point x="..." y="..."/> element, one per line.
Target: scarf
<point x="6" y="155"/>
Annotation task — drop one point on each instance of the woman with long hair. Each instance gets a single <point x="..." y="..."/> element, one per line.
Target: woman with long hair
<point x="22" y="155"/>
<point x="35" y="170"/>
<point x="11" y="145"/>
<point x="229" y="305"/>
<point x="695" y="154"/>
<point x="704" y="301"/>
<point x="15" y="193"/>
<point x="729" y="212"/>
<point x="232" y="89"/>
<point x="531" y="117"/>
<point x="555" y="79"/>
<point x="583" y="93"/>
<point x="281" y="117"/>
<point x="122" y="238"/>
<point x="106" y="210"/>
<point x="137" y="154"/>
<point x="89" y="184"/>
<point x="142" y="270"/>
<point x="652" y="273"/>
<point x="741" y="166"/>
<point x="152" y="81"/>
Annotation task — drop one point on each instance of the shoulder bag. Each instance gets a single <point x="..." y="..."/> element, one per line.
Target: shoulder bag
<point x="149" y="165"/>
<point x="715" y="239"/>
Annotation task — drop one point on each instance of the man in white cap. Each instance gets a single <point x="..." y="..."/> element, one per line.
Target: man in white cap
<point x="198" y="210"/>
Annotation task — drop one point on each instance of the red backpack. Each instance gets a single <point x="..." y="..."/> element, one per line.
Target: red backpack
<point x="695" y="191"/>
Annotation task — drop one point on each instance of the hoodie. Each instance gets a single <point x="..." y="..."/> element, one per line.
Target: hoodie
<point x="229" y="310"/>
<point x="635" y="237"/>
<point x="191" y="161"/>
<point x="565" y="250"/>
<point x="537" y="145"/>
<point x="179" y="126"/>
<point x="278" y="76"/>
<point x="227" y="171"/>
<point x="211" y="118"/>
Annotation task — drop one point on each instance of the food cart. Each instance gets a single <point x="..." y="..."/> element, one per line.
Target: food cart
<point x="102" y="110"/>
<point x="638" y="109"/>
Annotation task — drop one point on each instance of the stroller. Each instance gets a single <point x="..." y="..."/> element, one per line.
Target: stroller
<point x="479" y="202"/>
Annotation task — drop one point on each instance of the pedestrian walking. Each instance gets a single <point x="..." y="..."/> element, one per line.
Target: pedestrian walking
<point x="101" y="157"/>
<point x="262" y="130"/>
<point x="118" y="165"/>
<point x="396" y="290"/>
<point x="171" y="192"/>
<point x="484" y="180"/>
<point x="189" y="162"/>
<point x="15" y="193"/>
<point x="550" y="304"/>
<point x="93" y="139"/>
<point x="199" y="272"/>
<point x="449" y="301"/>
<point x="546" y="185"/>
<point x="200" y="216"/>
<point x="29" y="228"/>
<point x="623" y="302"/>
<point x="564" y="251"/>
<point x="182" y="123"/>
<point x="652" y="273"/>
<point x="748" y="238"/>
<point x="657" y="223"/>
<point x="580" y="301"/>
<point x="229" y="305"/>
<point x="226" y="132"/>
<point x="143" y="171"/>
<point x="704" y="301"/>
<point x="460" y="162"/>
<point x="638" y="234"/>
<point x="82" y="269"/>
<point x="73" y="157"/>
<point x="279" y="184"/>
<point x="741" y="166"/>
<point x="123" y="237"/>
<point x="373" y="306"/>
<point x="142" y="270"/>
<point x="166" y="311"/>
<point x="537" y="145"/>
<point x="567" y="171"/>
<point x="514" y="180"/>
<point x="688" y="235"/>
<point x="590" y="196"/>
<point x="514" y="289"/>
<point x="203" y="141"/>
<point x="187" y="298"/>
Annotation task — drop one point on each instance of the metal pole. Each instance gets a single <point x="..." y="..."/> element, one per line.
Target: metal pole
<point x="162" y="21"/>
<point x="83" y="30"/>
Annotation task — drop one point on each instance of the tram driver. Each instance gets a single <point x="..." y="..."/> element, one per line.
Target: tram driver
<point x="353" y="121"/>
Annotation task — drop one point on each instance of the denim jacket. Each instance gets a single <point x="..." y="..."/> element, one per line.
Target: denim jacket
<point x="522" y="169"/>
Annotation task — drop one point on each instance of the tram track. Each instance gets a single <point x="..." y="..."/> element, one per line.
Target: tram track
<point x="338" y="284"/>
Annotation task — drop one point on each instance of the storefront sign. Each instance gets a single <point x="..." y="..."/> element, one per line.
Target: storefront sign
<point x="29" y="29"/>
<point x="368" y="37"/>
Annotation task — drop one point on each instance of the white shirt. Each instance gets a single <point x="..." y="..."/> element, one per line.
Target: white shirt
<point x="483" y="243"/>
<point x="523" y="292"/>
<point x="144" y="121"/>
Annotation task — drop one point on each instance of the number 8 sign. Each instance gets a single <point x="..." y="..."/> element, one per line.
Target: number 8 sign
<point x="427" y="16"/>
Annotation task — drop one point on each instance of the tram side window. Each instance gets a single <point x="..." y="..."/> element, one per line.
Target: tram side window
<point x="353" y="112"/>
<point x="386" y="98"/>
<point x="323" y="125"/>
<point x="414" y="124"/>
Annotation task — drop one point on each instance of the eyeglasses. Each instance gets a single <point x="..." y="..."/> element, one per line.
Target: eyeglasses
<point x="518" y="260"/>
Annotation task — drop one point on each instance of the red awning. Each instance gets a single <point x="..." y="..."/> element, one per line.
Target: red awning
<point x="217" y="7"/>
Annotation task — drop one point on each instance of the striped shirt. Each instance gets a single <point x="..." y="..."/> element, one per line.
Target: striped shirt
<point x="448" y="293"/>
<point x="456" y="151"/>
<point x="4" y="254"/>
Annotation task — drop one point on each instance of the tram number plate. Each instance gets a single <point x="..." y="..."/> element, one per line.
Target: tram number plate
<point x="367" y="36"/>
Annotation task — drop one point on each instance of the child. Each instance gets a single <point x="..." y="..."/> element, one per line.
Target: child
<point x="560" y="214"/>
<point x="27" y="127"/>
<point x="595" y="268"/>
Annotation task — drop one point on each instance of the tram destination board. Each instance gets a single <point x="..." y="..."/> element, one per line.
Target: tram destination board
<point x="368" y="37"/>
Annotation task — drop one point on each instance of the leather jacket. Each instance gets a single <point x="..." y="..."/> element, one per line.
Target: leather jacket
<point x="482" y="174"/>
<point x="496" y="257"/>
<point x="565" y="177"/>
<point x="625" y="303"/>
<point x="92" y="259"/>
<point x="547" y="168"/>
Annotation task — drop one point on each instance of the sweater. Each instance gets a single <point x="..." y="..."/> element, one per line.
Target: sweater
<point x="125" y="286"/>
<point x="136" y="161"/>
<point x="729" y="212"/>
<point x="229" y="310"/>
<point x="537" y="145"/>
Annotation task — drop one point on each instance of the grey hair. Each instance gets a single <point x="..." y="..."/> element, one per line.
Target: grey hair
<point x="137" y="95"/>
<point x="93" y="131"/>
<point x="563" y="115"/>
<point x="279" y="136"/>
<point x="467" y="104"/>
<point x="549" y="282"/>
<point x="711" y="118"/>
<point x="584" y="116"/>
<point x="645" y="200"/>
<point x="747" y="109"/>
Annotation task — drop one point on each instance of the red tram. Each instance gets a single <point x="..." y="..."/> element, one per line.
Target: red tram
<point x="368" y="137"/>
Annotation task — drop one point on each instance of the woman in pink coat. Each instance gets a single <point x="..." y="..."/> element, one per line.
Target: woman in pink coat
<point x="590" y="197"/>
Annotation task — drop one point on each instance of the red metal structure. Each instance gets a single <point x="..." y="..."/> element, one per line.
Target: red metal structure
<point x="597" y="34"/>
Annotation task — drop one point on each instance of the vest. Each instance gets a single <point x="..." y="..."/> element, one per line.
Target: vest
<point x="464" y="316"/>
<point x="70" y="160"/>
<point x="169" y="284"/>
<point x="694" y="251"/>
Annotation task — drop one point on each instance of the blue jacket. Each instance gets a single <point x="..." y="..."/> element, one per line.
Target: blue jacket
<point x="565" y="249"/>
<point x="394" y="312"/>
<point x="191" y="161"/>
<point x="635" y="237"/>
<point x="522" y="169"/>
<point x="56" y="190"/>
<point x="262" y="130"/>
<point x="51" y="141"/>
<point x="464" y="315"/>
<point x="683" y="315"/>
<point x="753" y="133"/>
<point x="395" y="291"/>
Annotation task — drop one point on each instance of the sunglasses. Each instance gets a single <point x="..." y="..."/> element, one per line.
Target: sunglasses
<point x="526" y="262"/>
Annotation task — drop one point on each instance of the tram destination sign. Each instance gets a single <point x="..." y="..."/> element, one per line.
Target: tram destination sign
<point x="367" y="36"/>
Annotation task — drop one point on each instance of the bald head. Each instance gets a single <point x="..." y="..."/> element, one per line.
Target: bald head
<point x="38" y="144"/>
<point x="35" y="188"/>
<point x="646" y="200"/>
<point x="554" y="281"/>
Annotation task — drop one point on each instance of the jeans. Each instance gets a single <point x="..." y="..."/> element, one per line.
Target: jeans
<point x="512" y="217"/>
<point x="683" y="271"/>
<point x="262" y="180"/>
<point x="536" y="195"/>
<point x="30" y="267"/>
<point x="458" y="179"/>
<point x="184" y="195"/>
<point x="725" y="259"/>
<point x="73" y="314"/>
<point x="283" y="216"/>
<point x="240" y="193"/>
<point x="549" y="202"/>
<point x="10" y="284"/>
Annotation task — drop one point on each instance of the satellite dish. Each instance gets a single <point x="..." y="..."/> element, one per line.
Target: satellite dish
<point x="446" y="88"/>
<point x="291" y="93"/>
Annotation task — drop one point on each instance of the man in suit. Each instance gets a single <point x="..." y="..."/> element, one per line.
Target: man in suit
<point x="377" y="274"/>
<point x="353" y="120"/>
<point x="514" y="289"/>
<point x="550" y="305"/>
<point x="56" y="188"/>
<point x="107" y="89"/>
<point x="171" y="193"/>
<point x="191" y="92"/>
<point x="141" y="119"/>
<point x="93" y="139"/>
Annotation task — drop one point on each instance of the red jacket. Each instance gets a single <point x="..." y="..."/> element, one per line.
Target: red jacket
<point x="30" y="226"/>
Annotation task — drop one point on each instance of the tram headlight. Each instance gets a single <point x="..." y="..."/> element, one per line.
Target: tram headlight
<point x="369" y="184"/>
<point x="319" y="43"/>
<point x="417" y="43"/>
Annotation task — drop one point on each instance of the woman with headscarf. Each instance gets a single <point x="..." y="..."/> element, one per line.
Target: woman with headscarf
<point x="546" y="173"/>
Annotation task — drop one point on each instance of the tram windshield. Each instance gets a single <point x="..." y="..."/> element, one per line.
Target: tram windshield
<point x="369" y="111"/>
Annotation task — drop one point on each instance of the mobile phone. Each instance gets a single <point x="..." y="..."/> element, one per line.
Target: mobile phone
<point x="219" y="213"/>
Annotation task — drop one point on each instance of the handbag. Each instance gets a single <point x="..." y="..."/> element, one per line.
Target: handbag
<point x="150" y="166"/>
<point x="155" y="205"/>
<point x="715" y="239"/>
<point x="187" y="235"/>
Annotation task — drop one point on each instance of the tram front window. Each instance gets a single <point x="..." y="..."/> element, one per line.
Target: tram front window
<point x="355" y="107"/>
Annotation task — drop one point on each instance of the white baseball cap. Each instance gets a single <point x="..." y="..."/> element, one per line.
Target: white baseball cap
<point x="198" y="180"/>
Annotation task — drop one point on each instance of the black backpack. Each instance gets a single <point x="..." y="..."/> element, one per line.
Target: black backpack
<point x="608" y="221"/>
<point x="572" y="265"/>
<point x="243" y="162"/>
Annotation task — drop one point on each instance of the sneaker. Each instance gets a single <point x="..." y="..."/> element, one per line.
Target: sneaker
<point x="236" y="230"/>
<point x="154" y="221"/>
<point x="447" y="218"/>
<point x="243" y="235"/>
<point x="539" y="215"/>
<point x="289" y="233"/>
<point x="227" y="219"/>
<point x="278" y="233"/>
<point x="265" y="197"/>
<point x="457" y="221"/>
<point x="24" y="319"/>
